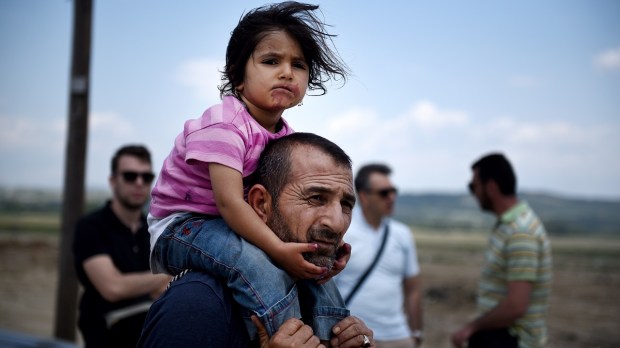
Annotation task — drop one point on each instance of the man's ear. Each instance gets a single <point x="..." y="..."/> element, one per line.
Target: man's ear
<point x="260" y="200"/>
<point x="112" y="181"/>
<point x="362" y="198"/>
<point x="491" y="188"/>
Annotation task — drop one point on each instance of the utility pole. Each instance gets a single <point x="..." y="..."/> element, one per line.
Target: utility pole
<point x="73" y="195"/>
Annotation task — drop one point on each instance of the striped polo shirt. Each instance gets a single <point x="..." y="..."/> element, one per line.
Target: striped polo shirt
<point x="227" y="134"/>
<point x="519" y="250"/>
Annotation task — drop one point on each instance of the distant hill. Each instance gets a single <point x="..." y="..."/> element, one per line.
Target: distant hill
<point x="561" y="215"/>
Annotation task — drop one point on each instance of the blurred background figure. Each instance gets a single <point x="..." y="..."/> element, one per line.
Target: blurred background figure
<point x="381" y="282"/>
<point x="111" y="251"/>
<point x="513" y="291"/>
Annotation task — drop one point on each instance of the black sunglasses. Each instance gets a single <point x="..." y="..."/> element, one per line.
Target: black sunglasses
<point x="471" y="187"/>
<point x="384" y="193"/>
<point x="147" y="177"/>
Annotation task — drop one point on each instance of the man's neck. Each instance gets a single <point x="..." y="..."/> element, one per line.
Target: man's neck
<point x="129" y="217"/>
<point x="374" y="220"/>
<point x="504" y="204"/>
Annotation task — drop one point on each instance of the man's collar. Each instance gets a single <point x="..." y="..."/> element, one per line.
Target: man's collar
<point x="511" y="214"/>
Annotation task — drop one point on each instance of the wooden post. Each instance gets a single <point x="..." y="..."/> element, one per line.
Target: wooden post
<point x="73" y="195"/>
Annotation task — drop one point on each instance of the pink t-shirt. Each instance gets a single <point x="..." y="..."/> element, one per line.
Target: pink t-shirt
<point x="226" y="134"/>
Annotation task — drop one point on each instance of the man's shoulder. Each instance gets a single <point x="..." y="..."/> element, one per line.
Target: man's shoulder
<point x="97" y="213"/>
<point x="522" y="220"/>
<point x="196" y="310"/>
<point x="398" y="224"/>
<point x="191" y="277"/>
<point x="97" y="217"/>
<point x="201" y="289"/>
<point x="399" y="228"/>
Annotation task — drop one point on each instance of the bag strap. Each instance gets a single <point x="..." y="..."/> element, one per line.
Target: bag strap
<point x="372" y="265"/>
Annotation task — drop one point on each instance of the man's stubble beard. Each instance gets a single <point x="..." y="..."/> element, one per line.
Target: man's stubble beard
<point x="127" y="204"/>
<point x="323" y="257"/>
<point x="485" y="203"/>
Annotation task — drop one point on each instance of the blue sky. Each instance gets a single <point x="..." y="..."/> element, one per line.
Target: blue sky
<point x="434" y="86"/>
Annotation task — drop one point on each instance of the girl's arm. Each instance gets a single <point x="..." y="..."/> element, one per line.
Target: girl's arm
<point x="227" y="184"/>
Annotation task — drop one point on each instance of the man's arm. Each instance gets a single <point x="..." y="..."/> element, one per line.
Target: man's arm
<point x="115" y="286"/>
<point x="513" y="307"/>
<point x="412" y="288"/>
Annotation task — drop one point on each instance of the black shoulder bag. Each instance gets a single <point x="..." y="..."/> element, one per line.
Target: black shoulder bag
<point x="370" y="268"/>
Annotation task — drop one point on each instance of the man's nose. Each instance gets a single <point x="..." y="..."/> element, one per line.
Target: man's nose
<point x="335" y="218"/>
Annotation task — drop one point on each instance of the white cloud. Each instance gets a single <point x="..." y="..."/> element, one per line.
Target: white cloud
<point x="430" y="147"/>
<point x="20" y="133"/>
<point x="31" y="150"/>
<point x="429" y="118"/>
<point x="202" y="76"/>
<point x="109" y="124"/>
<point x="38" y="147"/>
<point x="15" y="131"/>
<point x="608" y="60"/>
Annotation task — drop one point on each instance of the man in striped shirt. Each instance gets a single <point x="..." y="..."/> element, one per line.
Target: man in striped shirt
<point x="514" y="288"/>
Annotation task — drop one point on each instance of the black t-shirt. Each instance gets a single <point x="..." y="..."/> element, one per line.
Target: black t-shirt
<point x="97" y="233"/>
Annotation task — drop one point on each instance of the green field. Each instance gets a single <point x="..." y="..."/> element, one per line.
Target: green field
<point x="594" y="253"/>
<point x="29" y="222"/>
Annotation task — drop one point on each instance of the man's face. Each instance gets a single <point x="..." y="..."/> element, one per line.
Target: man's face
<point x="477" y="188"/>
<point x="131" y="190"/>
<point x="380" y="197"/>
<point x="316" y="205"/>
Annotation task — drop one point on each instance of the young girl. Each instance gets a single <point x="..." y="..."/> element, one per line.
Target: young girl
<point x="274" y="54"/>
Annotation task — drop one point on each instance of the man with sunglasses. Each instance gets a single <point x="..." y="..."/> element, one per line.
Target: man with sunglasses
<point x="381" y="283"/>
<point x="513" y="291"/>
<point x="111" y="255"/>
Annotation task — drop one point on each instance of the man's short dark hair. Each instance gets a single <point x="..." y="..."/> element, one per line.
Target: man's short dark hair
<point x="139" y="151"/>
<point x="275" y="162"/>
<point x="362" y="178"/>
<point x="496" y="167"/>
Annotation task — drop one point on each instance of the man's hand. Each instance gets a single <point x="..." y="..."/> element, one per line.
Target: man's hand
<point x="342" y="257"/>
<point x="350" y="332"/>
<point x="293" y="333"/>
<point x="290" y="257"/>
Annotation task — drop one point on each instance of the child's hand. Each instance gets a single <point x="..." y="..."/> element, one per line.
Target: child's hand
<point x="342" y="257"/>
<point x="289" y="256"/>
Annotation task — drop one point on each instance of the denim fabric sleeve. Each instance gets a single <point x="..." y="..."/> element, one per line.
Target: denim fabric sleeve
<point x="256" y="283"/>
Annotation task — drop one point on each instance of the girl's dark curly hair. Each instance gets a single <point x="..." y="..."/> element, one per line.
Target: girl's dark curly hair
<point x="299" y="21"/>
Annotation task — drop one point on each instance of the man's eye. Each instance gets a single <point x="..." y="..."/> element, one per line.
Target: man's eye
<point x="270" y="61"/>
<point x="347" y="207"/>
<point x="316" y="199"/>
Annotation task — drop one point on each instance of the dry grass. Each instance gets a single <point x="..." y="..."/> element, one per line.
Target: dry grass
<point x="585" y="304"/>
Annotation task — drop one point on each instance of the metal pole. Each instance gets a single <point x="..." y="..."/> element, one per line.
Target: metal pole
<point x="73" y="195"/>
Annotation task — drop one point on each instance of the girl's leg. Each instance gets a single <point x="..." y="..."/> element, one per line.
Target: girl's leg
<point x="207" y="244"/>
<point x="323" y="304"/>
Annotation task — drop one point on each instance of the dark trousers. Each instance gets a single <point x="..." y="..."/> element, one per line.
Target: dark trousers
<point x="499" y="338"/>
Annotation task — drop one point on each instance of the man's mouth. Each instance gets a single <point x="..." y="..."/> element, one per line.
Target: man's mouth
<point x="326" y="247"/>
